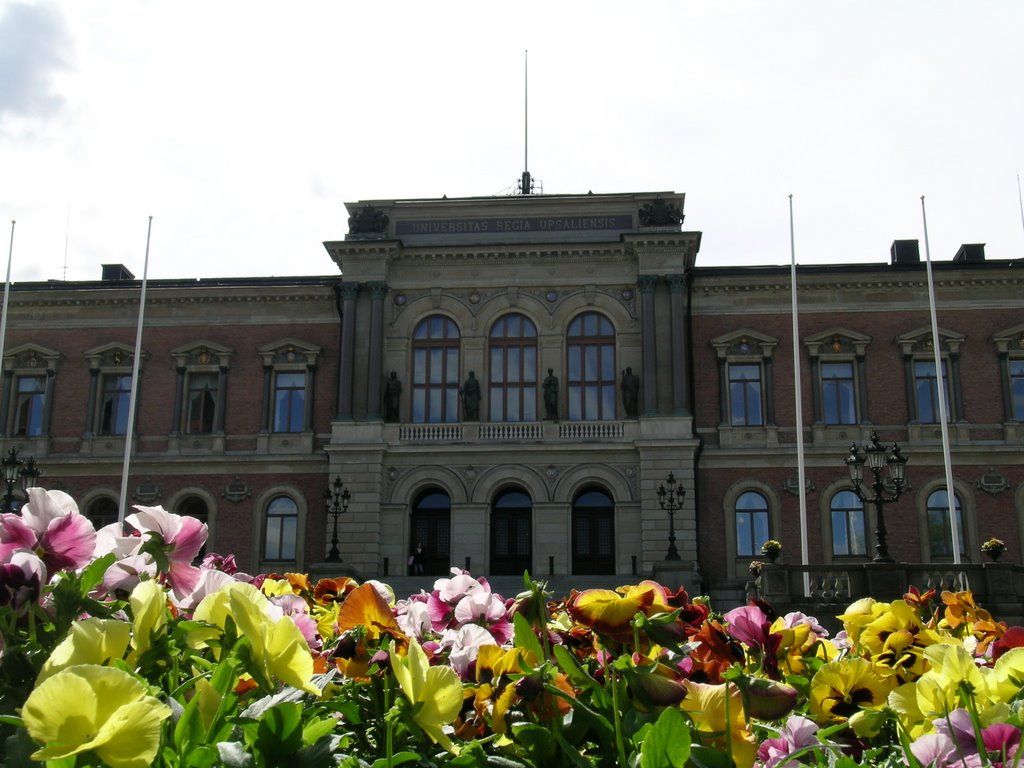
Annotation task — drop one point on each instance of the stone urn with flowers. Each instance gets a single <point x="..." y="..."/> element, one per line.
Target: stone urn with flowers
<point x="772" y="549"/>
<point x="994" y="548"/>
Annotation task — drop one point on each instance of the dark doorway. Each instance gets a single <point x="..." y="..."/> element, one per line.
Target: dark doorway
<point x="431" y="526"/>
<point x="593" y="533"/>
<point x="511" y="534"/>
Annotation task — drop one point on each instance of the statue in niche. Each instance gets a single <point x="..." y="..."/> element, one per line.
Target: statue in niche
<point x="630" y="393"/>
<point x="471" y="398"/>
<point x="551" y="396"/>
<point x="392" y="397"/>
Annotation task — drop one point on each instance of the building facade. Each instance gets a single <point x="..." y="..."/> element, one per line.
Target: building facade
<point x="510" y="382"/>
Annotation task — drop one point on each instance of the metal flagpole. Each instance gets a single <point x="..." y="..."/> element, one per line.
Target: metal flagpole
<point x="130" y="429"/>
<point x="941" y="396"/>
<point x="7" y="297"/>
<point x="800" y="469"/>
<point x="1020" y="201"/>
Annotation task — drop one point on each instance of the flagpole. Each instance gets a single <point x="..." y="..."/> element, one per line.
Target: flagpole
<point x="800" y="468"/>
<point x="130" y="429"/>
<point x="7" y="298"/>
<point x="941" y="395"/>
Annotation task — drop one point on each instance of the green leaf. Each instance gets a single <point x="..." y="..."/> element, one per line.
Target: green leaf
<point x="525" y="637"/>
<point x="706" y="757"/>
<point x="280" y="731"/>
<point x="92" y="574"/>
<point x="667" y="744"/>
<point x="317" y="729"/>
<point x="537" y="740"/>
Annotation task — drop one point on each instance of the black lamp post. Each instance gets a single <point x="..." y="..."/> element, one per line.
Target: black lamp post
<point x="17" y="471"/>
<point x="336" y="497"/>
<point x="671" y="500"/>
<point x="875" y="456"/>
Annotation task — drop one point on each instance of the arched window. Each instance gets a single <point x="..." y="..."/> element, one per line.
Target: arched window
<point x="590" y="345"/>
<point x="280" y="529"/>
<point x="593" y="533"/>
<point x="513" y="369"/>
<point x="752" y="529"/>
<point x="194" y="506"/>
<point x="511" y="534"/>
<point x="849" y="527"/>
<point x="430" y="526"/>
<point x="435" y="371"/>
<point x="102" y="512"/>
<point x="940" y="535"/>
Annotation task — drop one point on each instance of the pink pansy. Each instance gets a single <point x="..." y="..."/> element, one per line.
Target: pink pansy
<point x="464" y="645"/>
<point x="935" y="750"/>
<point x="125" y="574"/>
<point x="448" y="593"/>
<point x="15" y="536"/>
<point x="413" y="617"/>
<point x="210" y="581"/>
<point x="111" y="539"/>
<point x="62" y="537"/>
<point x="798" y="733"/>
<point x="182" y="536"/>
<point x="796" y="618"/>
<point x="21" y="579"/>
<point x="749" y="624"/>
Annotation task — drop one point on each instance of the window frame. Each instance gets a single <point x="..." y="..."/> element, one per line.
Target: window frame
<point x="848" y="524"/>
<point x="745" y="347"/>
<point x="580" y="406"/>
<point x="1010" y="350"/>
<point x="28" y="361"/>
<point x="200" y="358"/>
<point x="755" y="548"/>
<point x="944" y="553"/>
<point x="109" y="361"/>
<point x="425" y="347"/>
<point x="289" y="357"/>
<point x="917" y="349"/>
<point x="522" y="390"/>
<point x="265" y="530"/>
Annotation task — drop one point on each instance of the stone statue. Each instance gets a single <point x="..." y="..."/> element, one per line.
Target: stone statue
<point x="630" y="393"/>
<point x="471" y="398"/>
<point x="392" y="397"/>
<point x="551" y="396"/>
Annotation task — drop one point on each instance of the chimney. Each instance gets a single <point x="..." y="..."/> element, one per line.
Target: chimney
<point x="904" y="252"/>
<point x="970" y="252"/>
<point x="116" y="272"/>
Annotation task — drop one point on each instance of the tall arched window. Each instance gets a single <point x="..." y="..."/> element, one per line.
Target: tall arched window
<point x="752" y="528"/>
<point x="280" y="530"/>
<point x="511" y="534"/>
<point x="430" y="525"/>
<point x="435" y="371"/>
<point x="513" y="369"/>
<point x="194" y="506"/>
<point x="849" y="527"/>
<point x="102" y="512"/>
<point x="940" y="535"/>
<point x="593" y="533"/>
<point x="590" y="345"/>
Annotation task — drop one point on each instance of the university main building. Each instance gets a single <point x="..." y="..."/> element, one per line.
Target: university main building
<point x="509" y="381"/>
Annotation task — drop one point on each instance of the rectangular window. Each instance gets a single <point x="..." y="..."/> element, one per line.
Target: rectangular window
<point x="926" y="391"/>
<point x="1017" y="389"/>
<point x="745" y="395"/>
<point x="289" y="401"/>
<point x="837" y="393"/>
<point x="202" y="403"/>
<point x="28" y="407"/>
<point x="117" y="391"/>
<point x="848" y="532"/>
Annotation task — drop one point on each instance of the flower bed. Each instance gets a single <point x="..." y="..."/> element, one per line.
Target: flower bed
<point x="118" y="651"/>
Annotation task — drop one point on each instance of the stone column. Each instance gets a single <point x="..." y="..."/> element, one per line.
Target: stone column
<point x="346" y="357"/>
<point x="374" y="376"/>
<point x="649" y="380"/>
<point x="680" y="346"/>
<point x="179" y="399"/>
<point x="90" y="408"/>
<point x="268" y="399"/>
<point x="222" y="390"/>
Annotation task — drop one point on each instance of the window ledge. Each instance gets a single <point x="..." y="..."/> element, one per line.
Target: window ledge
<point x="748" y="437"/>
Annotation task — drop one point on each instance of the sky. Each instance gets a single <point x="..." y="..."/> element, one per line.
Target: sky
<point x="243" y="128"/>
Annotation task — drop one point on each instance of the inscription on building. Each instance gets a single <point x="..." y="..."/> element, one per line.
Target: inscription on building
<point x="529" y="224"/>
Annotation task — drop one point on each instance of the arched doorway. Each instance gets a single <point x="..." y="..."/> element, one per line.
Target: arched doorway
<point x="511" y="534"/>
<point x="593" y="533"/>
<point x="430" y="525"/>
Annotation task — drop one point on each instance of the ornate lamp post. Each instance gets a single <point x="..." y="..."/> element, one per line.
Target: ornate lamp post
<point x="336" y="498"/>
<point x="17" y="471"/>
<point x="671" y="501"/>
<point x="874" y="455"/>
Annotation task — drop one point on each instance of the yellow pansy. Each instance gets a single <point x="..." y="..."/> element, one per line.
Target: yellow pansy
<point x="841" y="688"/>
<point x="952" y="670"/>
<point x="717" y="725"/>
<point x="435" y="692"/>
<point x="858" y="615"/>
<point x="1008" y="674"/>
<point x="90" y="641"/>
<point x="149" y="610"/>
<point x="89" y="708"/>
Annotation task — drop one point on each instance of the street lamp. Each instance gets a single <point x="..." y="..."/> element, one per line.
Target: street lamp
<point x="336" y="497"/>
<point x="17" y="471"/>
<point x="671" y="501"/>
<point x="875" y="456"/>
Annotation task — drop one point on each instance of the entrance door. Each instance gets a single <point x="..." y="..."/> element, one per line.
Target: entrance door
<point x="593" y="533"/>
<point x="431" y="526"/>
<point x="511" y="534"/>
